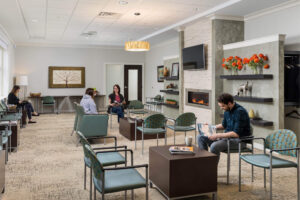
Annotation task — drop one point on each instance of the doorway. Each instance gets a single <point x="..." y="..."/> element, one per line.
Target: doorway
<point x="133" y="83"/>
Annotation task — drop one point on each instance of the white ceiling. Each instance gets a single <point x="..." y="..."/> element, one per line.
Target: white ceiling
<point x="63" y="21"/>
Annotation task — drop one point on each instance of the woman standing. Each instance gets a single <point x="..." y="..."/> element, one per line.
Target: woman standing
<point x="88" y="103"/>
<point x="13" y="99"/>
<point x="116" y="102"/>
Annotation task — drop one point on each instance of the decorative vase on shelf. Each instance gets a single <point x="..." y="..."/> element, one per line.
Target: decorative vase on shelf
<point x="254" y="70"/>
<point x="251" y="114"/>
<point x="235" y="72"/>
<point x="166" y="72"/>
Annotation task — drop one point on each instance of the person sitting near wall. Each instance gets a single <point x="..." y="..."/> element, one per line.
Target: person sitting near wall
<point x="88" y="103"/>
<point x="116" y="102"/>
<point x="13" y="99"/>
<point x="236" y="123"/>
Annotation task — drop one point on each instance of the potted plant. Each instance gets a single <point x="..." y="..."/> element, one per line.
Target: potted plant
<point x="257" y="62"/>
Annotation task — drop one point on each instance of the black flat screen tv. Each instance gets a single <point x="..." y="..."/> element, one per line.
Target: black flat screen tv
<point x="194" y="57"/>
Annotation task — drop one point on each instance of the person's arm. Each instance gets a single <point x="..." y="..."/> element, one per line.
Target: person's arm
<point x="111" y="103"/>
<point x="230" y="134"/>
<point x="219" y="126"/>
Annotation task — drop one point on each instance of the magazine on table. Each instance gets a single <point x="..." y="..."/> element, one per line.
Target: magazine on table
<point x="181" y="150"/>
<point x="206" y="129"/>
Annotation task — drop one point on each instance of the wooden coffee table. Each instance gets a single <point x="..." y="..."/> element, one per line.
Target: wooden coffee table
<point x="183" y="176"/>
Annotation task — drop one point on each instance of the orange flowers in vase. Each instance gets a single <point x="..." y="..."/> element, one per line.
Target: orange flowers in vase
<point x="257" y="62"/>
<point x="233" y="64"/>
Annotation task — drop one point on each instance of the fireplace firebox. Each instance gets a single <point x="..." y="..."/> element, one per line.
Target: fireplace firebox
<point x="198" y="98"/>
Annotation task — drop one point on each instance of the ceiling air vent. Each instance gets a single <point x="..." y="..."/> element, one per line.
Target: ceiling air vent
<point x="109" y="15"/>
<point x="89" y="34"/>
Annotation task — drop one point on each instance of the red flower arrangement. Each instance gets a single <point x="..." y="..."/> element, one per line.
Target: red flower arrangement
<point x="257" y="61"/>
<point x="233" y="63"/>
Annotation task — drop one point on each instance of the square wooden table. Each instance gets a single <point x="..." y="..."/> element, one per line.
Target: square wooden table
<point x="183" y="176"/>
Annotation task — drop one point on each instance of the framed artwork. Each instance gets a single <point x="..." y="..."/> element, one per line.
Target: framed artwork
<point x="66" y="77"/>
<point x="160" y="73"/>
<point x="175" y="71"/>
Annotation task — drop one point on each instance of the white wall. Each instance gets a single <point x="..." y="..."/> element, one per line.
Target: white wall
<point x="285" y="21"/>
<point x="8" y="45"/>
<point x="34" y="61"/>
<point x="114" y="75"/>
<point x="154" y="58"/>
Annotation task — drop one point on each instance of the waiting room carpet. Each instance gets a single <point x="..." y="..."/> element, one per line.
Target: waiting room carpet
<point x="49" y="166"/>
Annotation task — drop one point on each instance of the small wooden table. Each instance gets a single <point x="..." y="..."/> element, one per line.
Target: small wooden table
<point x="183" y="176"/>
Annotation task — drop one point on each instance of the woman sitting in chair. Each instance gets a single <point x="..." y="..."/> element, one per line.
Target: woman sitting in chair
<point x="13" y="99"/>
<point x="116" y="102"/>
<point x="88" y="103"/>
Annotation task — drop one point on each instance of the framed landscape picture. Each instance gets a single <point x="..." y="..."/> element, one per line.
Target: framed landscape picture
<point x="66" y="77"/>
<point x="160" y="73"/>
<point x="175" y="71"/>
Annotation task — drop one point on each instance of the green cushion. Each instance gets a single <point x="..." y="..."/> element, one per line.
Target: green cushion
<point x="110" y="158"/>
<point x="151" y="130"/>
<point x="107" y="159"/>
<point x="263" y="160"/>
<point x="120" y="180"/>
<point x="9" y="117"/>
<point x="181" y="128"/>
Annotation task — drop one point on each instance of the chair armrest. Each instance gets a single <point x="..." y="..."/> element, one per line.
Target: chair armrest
<point x="252" y="138"/>
<point x="289" y="149"/>
<point x="129" y="167"/>
<point x="115" y="147"/>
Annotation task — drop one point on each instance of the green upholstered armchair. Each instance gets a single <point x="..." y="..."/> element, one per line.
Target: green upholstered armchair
<point x="153" y="124"/>
<point x="136" y="107"/>
<point x="76" y="118"/>
<point x="48" y="101"/>
<point x="7" y="120"/>
<point x="90" y="125"/>
<point x="108" y="156"/>
<point x="184" y="122"/>
<point x="109" y="180"/>
<point x="283" y="142"/>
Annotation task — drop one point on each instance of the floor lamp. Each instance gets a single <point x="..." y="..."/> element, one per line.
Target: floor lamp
<point x="23" y="81"/>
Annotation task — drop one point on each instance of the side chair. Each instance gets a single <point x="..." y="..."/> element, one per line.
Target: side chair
<point x="283" y="142"/>
<point x="109" y="180"/>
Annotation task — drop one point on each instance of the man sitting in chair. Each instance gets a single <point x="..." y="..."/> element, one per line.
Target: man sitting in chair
<point x="236" y="123"/>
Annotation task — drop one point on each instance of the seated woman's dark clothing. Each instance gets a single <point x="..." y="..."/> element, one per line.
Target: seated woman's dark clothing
<point x="13" y="99"/>
<point x="116" y="109"/>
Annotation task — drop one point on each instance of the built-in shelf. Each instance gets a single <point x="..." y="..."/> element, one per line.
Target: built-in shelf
<point x="253" y="99"/>
<point x="170" y="92"/>
<point x="257" y="122"/>
<point x="261" y="122"/>
<point x="170" y="105"/>
<point x="247" y="77"/>
<point x="172" y="78"/>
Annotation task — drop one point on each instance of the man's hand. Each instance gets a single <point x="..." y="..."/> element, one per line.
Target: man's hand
<point x="213" y="137"/>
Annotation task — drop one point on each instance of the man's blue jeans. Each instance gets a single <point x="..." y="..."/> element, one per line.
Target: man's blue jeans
<point x="119" y="111"/>
<point x="216" y="146"/>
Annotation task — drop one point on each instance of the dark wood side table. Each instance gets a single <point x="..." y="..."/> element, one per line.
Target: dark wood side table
<point x="127" y="126"/>
<point x="183" y="176"/>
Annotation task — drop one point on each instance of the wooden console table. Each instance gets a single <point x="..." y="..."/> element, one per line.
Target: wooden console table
<point x="65" y="103"/>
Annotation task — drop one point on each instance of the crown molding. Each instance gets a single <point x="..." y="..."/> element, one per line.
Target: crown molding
<point x="226" y="17"/>
<point x="257" y="41"/>
<point x="62" y="45"/>
<point x="272" y="9"/>
<point x="7" y="39"/>
<point x="191" y="19"/>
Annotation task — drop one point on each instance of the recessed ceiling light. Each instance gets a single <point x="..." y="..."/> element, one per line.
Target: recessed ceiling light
<point x="122" y="2"/>
<point x="34" y="20"/>
<point x="137" y="14"/>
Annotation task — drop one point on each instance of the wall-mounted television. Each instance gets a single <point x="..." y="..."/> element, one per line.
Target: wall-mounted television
<point x="194" y="57"/>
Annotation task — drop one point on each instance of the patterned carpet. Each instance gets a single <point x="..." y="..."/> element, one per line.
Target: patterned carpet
<point x="48" y="165"/>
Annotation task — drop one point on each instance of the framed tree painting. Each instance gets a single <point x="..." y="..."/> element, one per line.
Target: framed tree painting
<point x="66" y="77"/>
<point x="160" y="73"/>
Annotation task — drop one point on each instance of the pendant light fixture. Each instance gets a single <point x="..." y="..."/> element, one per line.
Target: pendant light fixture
<point x="137" y="46"/>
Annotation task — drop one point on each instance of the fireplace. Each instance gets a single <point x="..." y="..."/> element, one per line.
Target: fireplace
<point x="198" y="98"/>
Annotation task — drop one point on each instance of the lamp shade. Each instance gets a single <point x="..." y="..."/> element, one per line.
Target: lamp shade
<point x="22" y="80"/>
<point x="137" y="46"/>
